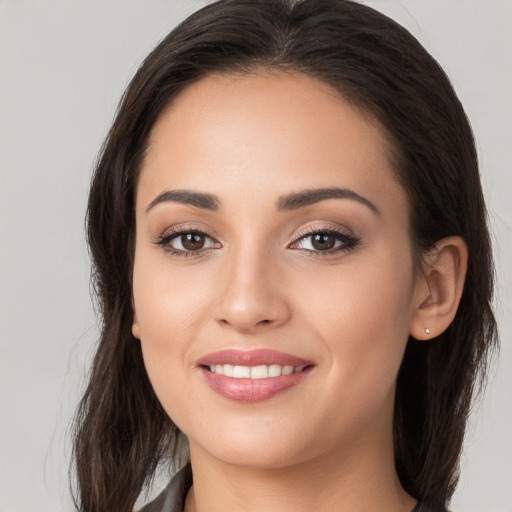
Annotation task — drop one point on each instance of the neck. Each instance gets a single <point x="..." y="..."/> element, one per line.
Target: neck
<point x="356" y="480"/>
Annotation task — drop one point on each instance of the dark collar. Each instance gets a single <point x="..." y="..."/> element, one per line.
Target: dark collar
<point x="172" y="498"/>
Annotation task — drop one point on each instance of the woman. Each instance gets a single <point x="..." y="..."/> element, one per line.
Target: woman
<point x="293" y="265"/>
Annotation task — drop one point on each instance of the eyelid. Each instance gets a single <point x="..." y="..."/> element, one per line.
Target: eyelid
<point x="187" y="228"/>
<point x="174" y="232"/>
<point x="346" y="236"/>
<point x="323" y="228"/>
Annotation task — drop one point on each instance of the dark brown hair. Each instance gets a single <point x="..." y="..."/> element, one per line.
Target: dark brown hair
<point x="121" y="430"/>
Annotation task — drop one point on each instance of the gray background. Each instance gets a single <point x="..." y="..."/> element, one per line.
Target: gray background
<point x="63" y="67"/>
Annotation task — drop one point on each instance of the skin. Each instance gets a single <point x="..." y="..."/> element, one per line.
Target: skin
<point x="258" y="282"/>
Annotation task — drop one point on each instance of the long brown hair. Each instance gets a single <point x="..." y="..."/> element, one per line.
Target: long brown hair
<point x="121" y="430"/>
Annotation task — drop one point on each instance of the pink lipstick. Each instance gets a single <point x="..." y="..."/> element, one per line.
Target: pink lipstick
<point x="252" y="376"/>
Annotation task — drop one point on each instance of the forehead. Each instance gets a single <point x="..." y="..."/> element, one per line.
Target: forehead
<point x="271" y="131"/>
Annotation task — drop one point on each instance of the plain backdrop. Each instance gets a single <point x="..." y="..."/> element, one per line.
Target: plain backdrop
<point x="63" y="67"/>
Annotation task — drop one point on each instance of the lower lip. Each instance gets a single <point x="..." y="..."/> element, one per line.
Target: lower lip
<point x="251" y="390"/>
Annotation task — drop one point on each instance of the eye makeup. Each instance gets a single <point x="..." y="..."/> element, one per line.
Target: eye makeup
<point x="187" y="236"/>
<point x="313" y="242"/>
<point x="334" y="241"/>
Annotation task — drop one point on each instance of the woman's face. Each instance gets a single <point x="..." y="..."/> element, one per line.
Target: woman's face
<point x="272" y="237"/>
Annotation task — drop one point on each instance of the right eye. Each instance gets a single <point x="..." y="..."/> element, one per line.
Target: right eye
<point x="186" y="242"/>
<point x="192" y="241"/>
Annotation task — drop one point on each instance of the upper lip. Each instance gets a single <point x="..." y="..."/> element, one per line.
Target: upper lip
<point x="251" y="358"/>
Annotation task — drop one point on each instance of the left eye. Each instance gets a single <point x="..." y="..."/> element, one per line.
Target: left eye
<point x="326" y="241"/>
<point x="319" y="242"/>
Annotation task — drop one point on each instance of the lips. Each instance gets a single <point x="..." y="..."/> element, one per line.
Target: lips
<point x="252" y="376"/>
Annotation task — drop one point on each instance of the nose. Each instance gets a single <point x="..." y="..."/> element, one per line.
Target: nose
<point x="253" y="297"/>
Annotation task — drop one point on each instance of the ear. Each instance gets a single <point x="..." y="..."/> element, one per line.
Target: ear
<point x="135" y="324"/>
<point x="438" y="288"/>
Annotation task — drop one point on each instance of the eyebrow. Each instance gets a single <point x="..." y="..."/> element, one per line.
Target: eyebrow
<point x="198" y="199"/>
<point x="310" y="196"/>
<point x="288" y="202"/>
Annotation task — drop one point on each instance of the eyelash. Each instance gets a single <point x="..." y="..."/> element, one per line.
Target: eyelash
<point x="164" y="241"/>
<point x="349" y="241"/>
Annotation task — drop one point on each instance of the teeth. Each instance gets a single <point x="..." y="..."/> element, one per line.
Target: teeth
<point x="287" y="370"/>
<point x="254" y="372"/>
<point x="242" y="372"/>
<point x="259" y="372"/>
<point x="274" y="370"/>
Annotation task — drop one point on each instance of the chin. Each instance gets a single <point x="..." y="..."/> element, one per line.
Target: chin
<point x="264" y="451"/>
<point x="256" y="459"/>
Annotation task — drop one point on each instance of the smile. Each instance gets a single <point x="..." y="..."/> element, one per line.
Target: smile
<point x="252" y="376"/>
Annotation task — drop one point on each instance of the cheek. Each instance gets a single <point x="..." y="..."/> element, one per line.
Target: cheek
<point x="167" y="302"/>
<point x="164" y="316"/>
<point x="362" y="312"/>
<point x="171" y="305"/>
<point x="362" y="318"/>
<point x="166" y="328"/>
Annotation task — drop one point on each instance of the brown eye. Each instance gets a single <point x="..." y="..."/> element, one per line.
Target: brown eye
<point x="323" y="241"/>
<point x="186" y="242"/>
<point x="192" y="241"/>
